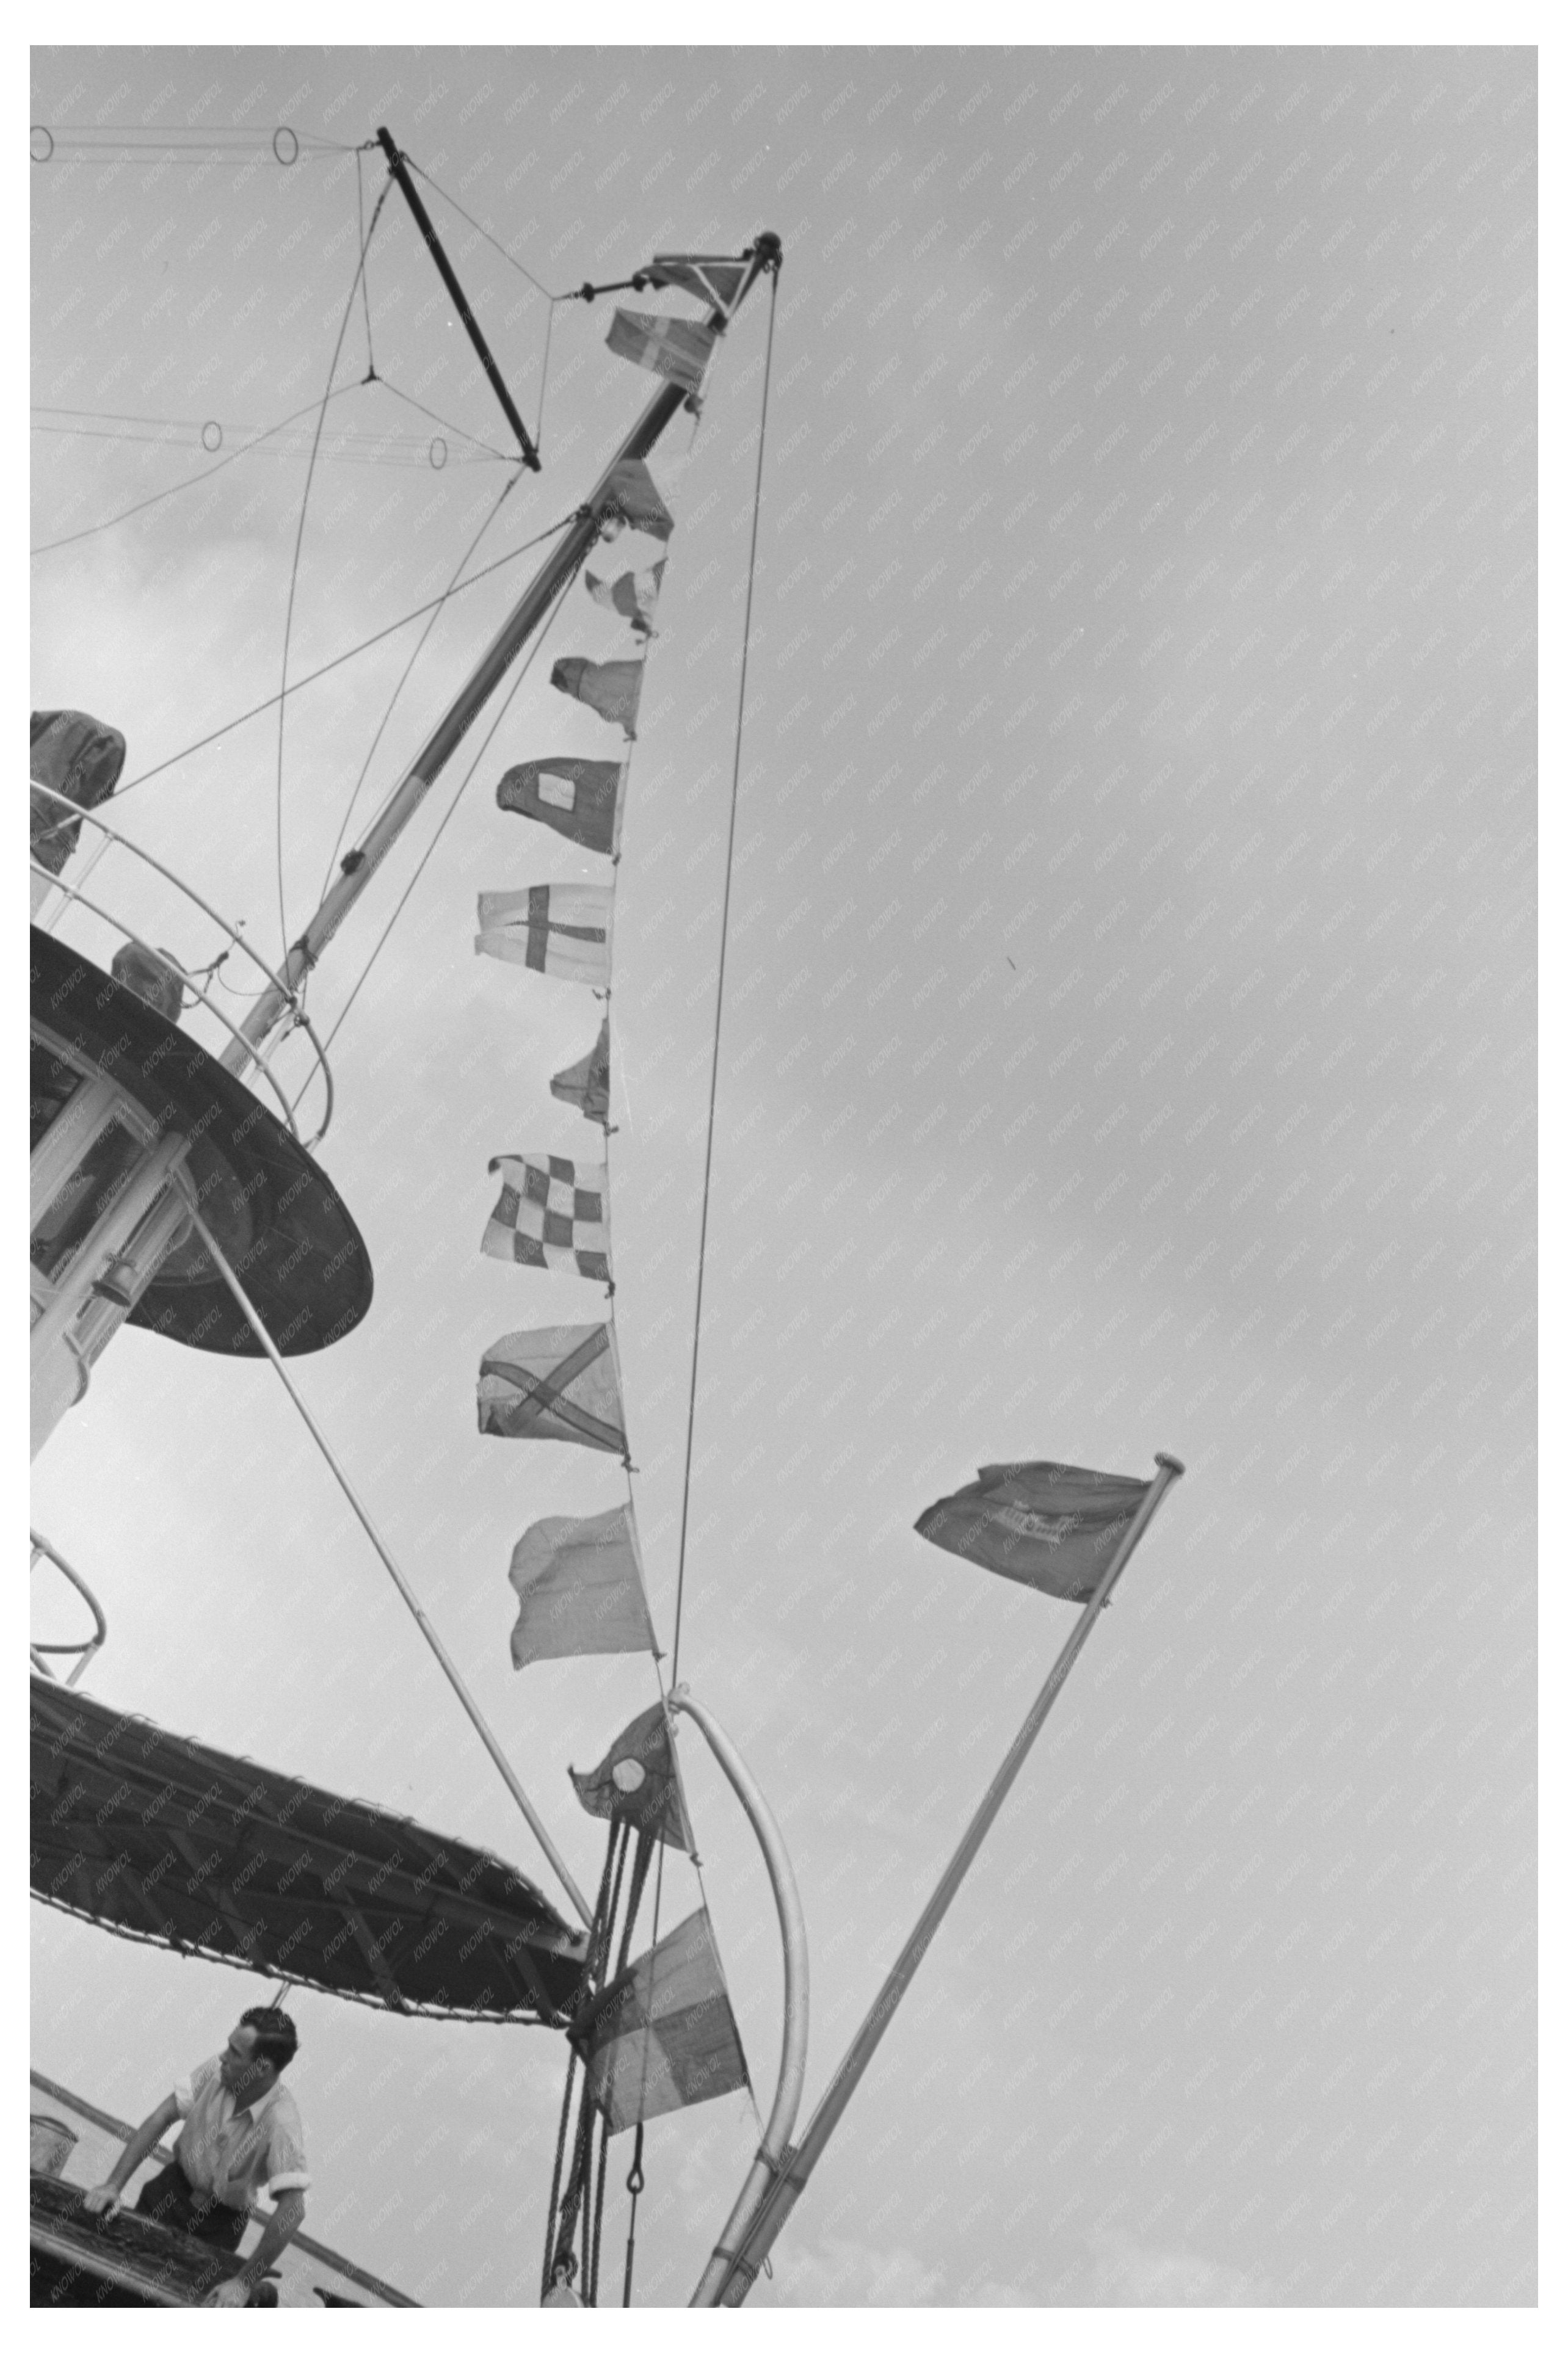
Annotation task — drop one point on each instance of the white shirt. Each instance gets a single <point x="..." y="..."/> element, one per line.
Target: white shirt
<point x="230" y="2156"/>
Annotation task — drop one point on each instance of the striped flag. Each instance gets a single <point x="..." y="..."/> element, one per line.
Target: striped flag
<point x="677" y="348"/>
<point x="563" y="1383"/>
<point x="579" y="798"/>
<point x="613" y="688"/>
<point x="579" y="1585"/>
<point x="634" y="595"/>
<point x="558" y="927"/>
<point x="552" y="1213"/>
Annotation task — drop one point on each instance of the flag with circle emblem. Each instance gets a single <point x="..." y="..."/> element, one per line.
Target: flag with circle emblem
<point x="635" y="1781"/>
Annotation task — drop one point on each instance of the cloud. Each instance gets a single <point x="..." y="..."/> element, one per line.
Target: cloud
<point x="1127" y="2273"/>
<point x="849" y="2272"/>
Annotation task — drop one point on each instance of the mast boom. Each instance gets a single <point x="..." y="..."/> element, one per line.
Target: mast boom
<point x="399" y="171"/>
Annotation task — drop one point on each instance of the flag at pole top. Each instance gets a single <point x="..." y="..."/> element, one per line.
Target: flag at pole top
<point x="716" y="277"/>
<point x="1048" y="1524"/>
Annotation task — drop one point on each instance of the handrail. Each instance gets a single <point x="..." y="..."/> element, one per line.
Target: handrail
<point x="74" y="894"/>
<point x="775" y="2145"/>
<point x="44" y="1550"/>
<point x="315" y="2247"/>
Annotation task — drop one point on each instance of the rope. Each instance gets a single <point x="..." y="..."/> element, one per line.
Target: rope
<point x="492" y="1747"/>
<point x="718" y="1001"/>
<point x="435" y="615"/>
<point x="461" y="430"/>
<point x="592" y="2264"/>
<point x="634" y="2185"/>
<point x="124" y="514"/>
<point x="337" y="661"/>
<point x="182" y="144"/>
<point x="409" y="452"/>
<point x="299" y="544"/>
<point x="364" y="272"/>
<point x="484" y="232"/>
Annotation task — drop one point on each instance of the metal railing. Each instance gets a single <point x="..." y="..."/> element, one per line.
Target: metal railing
<point x="84" y="1652"/>
<point x="193" y="983"/>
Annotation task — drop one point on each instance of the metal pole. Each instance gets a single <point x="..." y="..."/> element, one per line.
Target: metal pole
<point x="498" y="1756"/>
<point x="797" y="1998"/>
<point x="787" y="2186"/>
<point x="399" y="171"/>
<point x="359" y="866"/>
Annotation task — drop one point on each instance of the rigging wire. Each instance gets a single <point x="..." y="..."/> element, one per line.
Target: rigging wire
<point x="174" y="489"/>
<point x="451" y="809"/>
<point x="345" y="448"/>
<point x="718" y="999"/>
<point x="364" y="271"/>
<point x="522" y="270"/>
<point x="338" y="660"/>
<point x="436" y="610"/>
<point x="181" y="139"/>
<point x="436" y="188"/>
<point x="299" y="544"/>
<point x="397" y="392"/>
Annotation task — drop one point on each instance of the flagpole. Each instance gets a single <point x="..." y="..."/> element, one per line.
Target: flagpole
<point x="775" y="2144"/>
<point x="790" y="2180"/>
<point x="448" y="1666"/>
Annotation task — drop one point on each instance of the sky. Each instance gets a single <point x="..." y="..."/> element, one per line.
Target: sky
<point x="1127" y="1046"/>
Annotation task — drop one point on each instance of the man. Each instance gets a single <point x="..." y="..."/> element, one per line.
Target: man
<point x="242" y="2133"/>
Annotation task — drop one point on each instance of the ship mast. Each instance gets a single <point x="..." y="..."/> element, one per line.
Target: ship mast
<point x="360" y="863"/>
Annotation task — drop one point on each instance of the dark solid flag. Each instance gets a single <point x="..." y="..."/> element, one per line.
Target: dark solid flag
<point x="1048" y="1524"/>
<point x="579" y="798"/>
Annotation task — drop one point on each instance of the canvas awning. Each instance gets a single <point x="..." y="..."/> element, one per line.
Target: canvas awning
<point x="165" y="1840"/>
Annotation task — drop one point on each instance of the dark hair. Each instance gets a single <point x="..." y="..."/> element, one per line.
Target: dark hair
<point x="276" y="2039"/>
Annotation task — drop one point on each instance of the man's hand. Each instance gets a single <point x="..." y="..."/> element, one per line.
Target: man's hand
<point x="233" y="2294"/>
<point x="105" y="2200"/>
